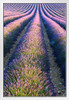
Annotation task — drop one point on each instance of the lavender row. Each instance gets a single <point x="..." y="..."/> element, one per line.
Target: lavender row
<point x="29" y="66"/>
<point x="57" y="36"/>
<point x="12" y="30"/>
<point x="18" y="8"/>
<point x="61" y="11"/>
<point x="55" y="73"/>
<point x="55" y="13"/>
<point x="60" y="21"/>
<point x="9" y="9"/>
<point x="15" y="17"/>
<point x="9" y="13"/>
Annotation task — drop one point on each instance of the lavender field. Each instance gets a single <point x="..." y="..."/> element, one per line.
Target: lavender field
<point x="34" y="49"/>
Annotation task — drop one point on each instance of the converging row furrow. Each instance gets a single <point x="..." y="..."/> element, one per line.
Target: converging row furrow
<point x="29" y="66"/>
<point x="61" y="11"/>
<point x="12" y="30"/>
<point x="57" y="36"/>
<point x="60" y="21"/>
<point x="53" y="12"/>
<point x="14" y="17"/>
